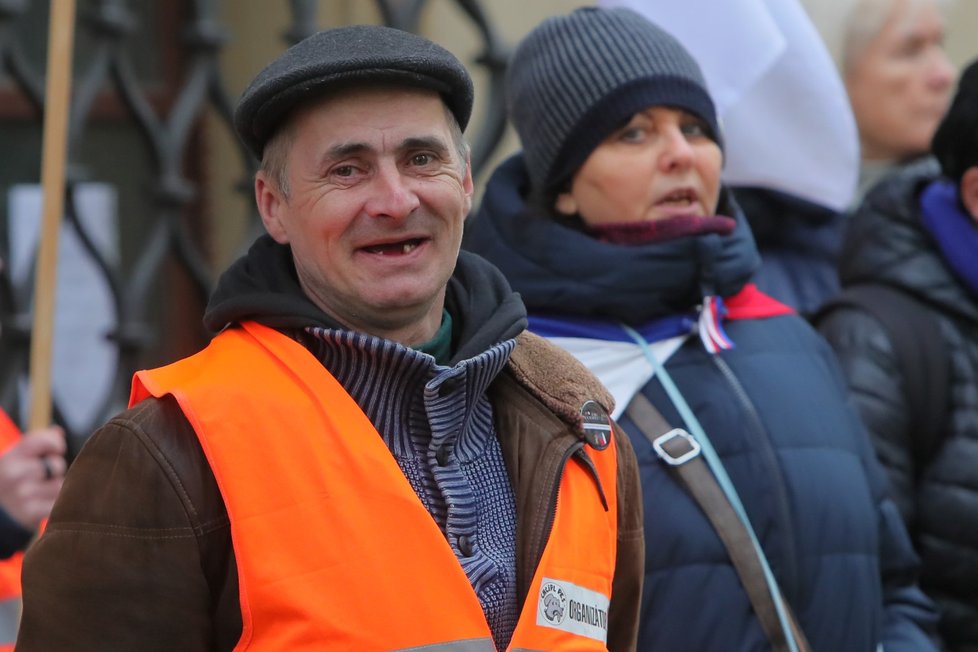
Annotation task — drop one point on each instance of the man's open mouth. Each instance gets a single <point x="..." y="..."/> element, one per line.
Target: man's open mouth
<point x="394" y="248"/>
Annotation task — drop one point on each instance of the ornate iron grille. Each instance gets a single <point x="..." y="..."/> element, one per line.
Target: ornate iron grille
<point x="153" y="271"/>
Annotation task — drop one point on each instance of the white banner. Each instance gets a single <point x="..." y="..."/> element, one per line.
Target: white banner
<point x="84" y="361"/>
<point x="786" y="119"/>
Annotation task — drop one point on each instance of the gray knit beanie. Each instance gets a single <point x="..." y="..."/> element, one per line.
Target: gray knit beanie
<point x="355" y="54"/>
<point x="574" y="79"/>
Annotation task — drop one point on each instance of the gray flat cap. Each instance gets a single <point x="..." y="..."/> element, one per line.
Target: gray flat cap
<point x="348" y="55"/>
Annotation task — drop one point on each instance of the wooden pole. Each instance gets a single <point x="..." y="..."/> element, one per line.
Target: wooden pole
<point x="55" y="150"/>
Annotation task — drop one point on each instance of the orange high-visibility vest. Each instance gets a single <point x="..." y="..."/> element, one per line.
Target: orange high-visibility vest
<point x="333" y="547"/>
<point x="9" y="568"/>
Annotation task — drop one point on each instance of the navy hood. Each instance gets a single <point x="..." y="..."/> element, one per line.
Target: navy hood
<point x="558" y="269"/>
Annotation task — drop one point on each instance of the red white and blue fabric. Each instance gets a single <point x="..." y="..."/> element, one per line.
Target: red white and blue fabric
<point x="710" y="324"/>
<point x="613" y="355"/>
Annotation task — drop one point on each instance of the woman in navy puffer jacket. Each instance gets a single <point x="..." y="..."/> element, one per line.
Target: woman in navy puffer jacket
<point x="607" y="225"/>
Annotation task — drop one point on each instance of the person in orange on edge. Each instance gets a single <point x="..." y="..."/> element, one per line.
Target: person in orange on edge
<point x="372" y="453"/>
<point x="31" y="472"/>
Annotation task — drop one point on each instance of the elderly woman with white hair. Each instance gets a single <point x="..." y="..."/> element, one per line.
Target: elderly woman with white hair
<point x="906" y="334"/>
<point x="899" y="80"/>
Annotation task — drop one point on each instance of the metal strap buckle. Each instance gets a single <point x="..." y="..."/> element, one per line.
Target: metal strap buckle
<point x="659" y="443"/>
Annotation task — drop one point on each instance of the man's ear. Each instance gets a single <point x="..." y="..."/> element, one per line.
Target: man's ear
<point x="468" y="186"/>
<point x="969" y="191"/>
<point x="271" y="205"/>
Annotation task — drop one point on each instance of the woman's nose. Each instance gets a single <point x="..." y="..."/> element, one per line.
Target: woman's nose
<point x="676" y="149"/>
<point x="941" y="72"/>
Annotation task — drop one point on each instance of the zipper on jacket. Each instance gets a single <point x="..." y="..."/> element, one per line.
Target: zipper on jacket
<point x="548" y="523"/>
<point x="586" y="460"/>
<point x="780" y="494"/>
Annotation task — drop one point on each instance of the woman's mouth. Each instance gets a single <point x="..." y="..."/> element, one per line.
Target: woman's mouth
<point x="681" y="197"/>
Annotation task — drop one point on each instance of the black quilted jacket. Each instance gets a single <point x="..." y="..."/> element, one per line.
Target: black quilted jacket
<point x="888" y="244"/>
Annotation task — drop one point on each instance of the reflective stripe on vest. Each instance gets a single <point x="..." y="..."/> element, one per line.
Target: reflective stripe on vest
<point x="9" y="620"/>
<point x="331" y="542"/>
<point x="10" y="606"/>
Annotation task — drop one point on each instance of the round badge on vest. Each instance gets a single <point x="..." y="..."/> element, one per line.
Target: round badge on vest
<point x="597" y="425"/>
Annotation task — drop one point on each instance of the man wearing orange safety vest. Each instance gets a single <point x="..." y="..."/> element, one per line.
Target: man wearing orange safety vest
<point x="31" y="472"/>
<point x="372" y="453"/>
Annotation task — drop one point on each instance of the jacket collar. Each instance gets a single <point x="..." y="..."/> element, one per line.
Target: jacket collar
<point x="262" y="286"/>
<point x="558" y="269"/>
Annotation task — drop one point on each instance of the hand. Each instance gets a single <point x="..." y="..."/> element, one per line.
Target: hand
<point x="31" y="473"/>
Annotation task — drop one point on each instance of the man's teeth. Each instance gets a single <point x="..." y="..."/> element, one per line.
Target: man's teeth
<point x="395" y="249"/>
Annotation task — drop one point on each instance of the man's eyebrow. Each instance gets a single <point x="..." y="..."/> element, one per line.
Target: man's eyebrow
<point x="343" y="150"/>
<point x="424" y="142"/>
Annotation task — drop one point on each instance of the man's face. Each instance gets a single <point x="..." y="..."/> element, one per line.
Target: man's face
<point x="377" y="197"/>
<point x="900" y="84"/>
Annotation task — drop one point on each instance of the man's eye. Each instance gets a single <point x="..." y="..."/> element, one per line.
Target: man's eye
<point x="421" y="159"/>
<point x="343" y="171"/>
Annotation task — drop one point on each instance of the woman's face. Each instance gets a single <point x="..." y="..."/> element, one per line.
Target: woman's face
<point x="661" y="164"/>
<point x="900" y="83"/>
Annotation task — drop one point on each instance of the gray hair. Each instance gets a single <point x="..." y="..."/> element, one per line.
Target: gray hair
<point x="848" y="26"/>
<point x="867" y="20"/>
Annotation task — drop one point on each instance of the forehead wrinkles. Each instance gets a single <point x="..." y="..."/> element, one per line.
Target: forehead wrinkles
<point x="378" y="107"/>
<point x="371" y="130"/>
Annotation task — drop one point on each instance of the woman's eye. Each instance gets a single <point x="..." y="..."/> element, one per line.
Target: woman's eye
<point x="632" y="134"/>
<point x="912" y="48"/>
<point x="910" y="51"/>
<point x="695" y="129"/>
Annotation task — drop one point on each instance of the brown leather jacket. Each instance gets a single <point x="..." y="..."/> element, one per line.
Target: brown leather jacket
<point x="137" y="554"/>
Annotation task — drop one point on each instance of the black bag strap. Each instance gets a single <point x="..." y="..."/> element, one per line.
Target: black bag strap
<point x="681" y="452"/>
<point x="921" y="355"/>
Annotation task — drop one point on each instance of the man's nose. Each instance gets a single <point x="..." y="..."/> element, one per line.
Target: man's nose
<point x="392" y="194"/>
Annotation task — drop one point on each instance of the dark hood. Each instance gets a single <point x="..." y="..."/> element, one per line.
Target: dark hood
<point x="887" y="243"/>
<point x="558" y="269"/>
<point x="262" y="286"/>
<point x="779" y="220"/>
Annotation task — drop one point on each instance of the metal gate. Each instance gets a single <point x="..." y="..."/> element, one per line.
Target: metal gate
<point x="136" y="264"/>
